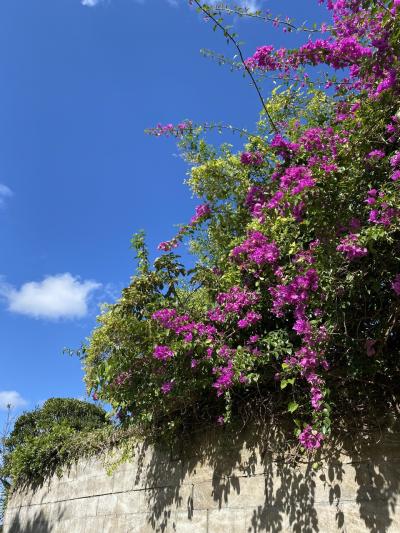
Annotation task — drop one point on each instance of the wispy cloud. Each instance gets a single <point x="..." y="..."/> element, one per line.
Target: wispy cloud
<point x="90" y="3"/>
<point x="252" y="5"/>
<point x="5" y="192"/>
<point x="11" y="398"/>
<point x="56" y="297"/>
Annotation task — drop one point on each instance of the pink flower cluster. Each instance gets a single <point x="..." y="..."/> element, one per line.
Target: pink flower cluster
<point x="202" y="212"/>
<point x="167" y="246"/>
<point x="256" y="250"/>
<point x="167" y="387"/>
<point x="170" y="129"/>
<point x="236" y="299"/>
<point x="256" y="202"/>
<point x="376" y="154"/>
<point x="225" y="377"/>
<point x="163" y="353"/>
<point x="395" y="164"/>
<point x="294" y="180"/>
<point x="358" y="38"/>
<point x="250" y="318"/>
<point x="361" y="44"/>
<point x="183" y="325"/>
<point x="296" y="293"/>
<point x="310" y="439"/>
<point x="384" y="215"/>
<point x="233" y="303"/>
<point x="350" y="248"/>
<point x="371" y="197"/>
<point x="309" y="357"/>
<point x="337" y="54"/>
<point x="284" y="147"/>
<point x="393" y="128"/>
<point x="252" y="158"/>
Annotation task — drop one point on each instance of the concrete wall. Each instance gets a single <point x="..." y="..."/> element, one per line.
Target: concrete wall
<point x="223" y="485"/>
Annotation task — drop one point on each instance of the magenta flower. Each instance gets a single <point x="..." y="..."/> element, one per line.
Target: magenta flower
<point x="263" y="58"/>
<point x="388" y="82"/>
<point x="396" y="285"/>
<point x="376" y="154"/>
<point x="166" y="246"/>
<point x="396" y="175"/>
<point x="167" y="387"/>
<point x="250" y="318"/>
<point x="252" y="158"/>
<point x="209" y="353"/>
<point x="395" y="160"/>
<point x="310" y="438"/>
<point x="201" y="212"/>
<point x="256" y="250"/>
<point x="256" y="202"/>
<point x="283" y="146"/>
<point x="350" y="248"/>
<point x="225" y="379"/>
<point x="316" y="398"/>
<point x="163" y="353"/>
<point x="302" y="326"/>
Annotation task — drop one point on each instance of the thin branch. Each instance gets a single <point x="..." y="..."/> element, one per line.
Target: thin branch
<point x="266" y="18"/>
<point x="236" y="44"/>
<point x="233" y="129"/>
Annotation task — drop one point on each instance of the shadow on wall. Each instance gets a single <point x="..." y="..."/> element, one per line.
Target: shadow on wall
<point x="357" y="485"/>
<point x="257" y="481"/>
<point x="37" y="524"/>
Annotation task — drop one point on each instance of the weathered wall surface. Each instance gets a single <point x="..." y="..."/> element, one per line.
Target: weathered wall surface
<point x="239" y="486"/>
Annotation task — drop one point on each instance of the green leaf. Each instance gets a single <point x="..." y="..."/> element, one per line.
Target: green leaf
<point x="292" y="407"/>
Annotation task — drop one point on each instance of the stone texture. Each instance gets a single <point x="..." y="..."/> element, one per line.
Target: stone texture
<point x="219" y="489"/>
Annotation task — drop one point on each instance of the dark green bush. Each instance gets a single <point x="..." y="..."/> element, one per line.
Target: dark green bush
<point x="49" y="437"/>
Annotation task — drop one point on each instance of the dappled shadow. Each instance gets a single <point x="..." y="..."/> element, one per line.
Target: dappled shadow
<point x="253" y="479"/>
<point x="36" y="524"/>
<point x="353" y="482"/>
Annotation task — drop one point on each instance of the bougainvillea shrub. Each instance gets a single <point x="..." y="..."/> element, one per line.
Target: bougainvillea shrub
<point x="295" y="294"/>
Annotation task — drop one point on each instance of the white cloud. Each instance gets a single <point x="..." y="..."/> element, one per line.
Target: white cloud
<point x="251" y="5"/>
<point x="12" y="398"/>
<point x="5" y="192"/>
<point x="59" y="296"/>
<point x="90" y="3"/>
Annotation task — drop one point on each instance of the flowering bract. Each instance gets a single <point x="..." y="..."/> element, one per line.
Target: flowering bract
<point x="294" y="291"/>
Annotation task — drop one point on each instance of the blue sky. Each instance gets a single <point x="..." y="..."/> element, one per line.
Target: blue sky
<point x="78" y="86"/>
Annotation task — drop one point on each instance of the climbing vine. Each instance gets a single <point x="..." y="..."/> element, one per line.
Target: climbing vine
<point x="295" y="293"/>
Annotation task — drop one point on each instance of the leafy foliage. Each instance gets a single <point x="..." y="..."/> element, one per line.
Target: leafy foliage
<point x="295" y="292"/>
<point x="44" y="440"/>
